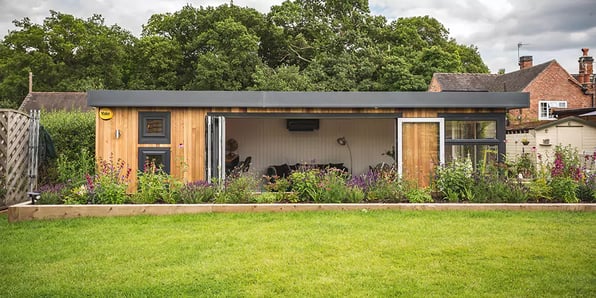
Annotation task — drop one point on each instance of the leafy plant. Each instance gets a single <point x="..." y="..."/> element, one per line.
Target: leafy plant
<point x="267" y="197"/>
<point x="75" y="170"/>
<point x="305" y="183"/>
<point x="539" y="189"/>
<point x="455" y="180"/>
<point x="564" y="188"/>
<point x="333" y="187"/>
<point x="153" y="185"/>
<point x="52" y="194"/>
<point x="73" y="137"/>
<point x="238" y="189"/>
<point x="197" y="192"/>
<point x="524" y="166"/>
<point x="567" y="163"/>
<point x="110" y="183"/>
<point x="419" y="195"/>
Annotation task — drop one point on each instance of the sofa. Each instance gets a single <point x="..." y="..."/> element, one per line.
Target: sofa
<point x="285" y="170"/>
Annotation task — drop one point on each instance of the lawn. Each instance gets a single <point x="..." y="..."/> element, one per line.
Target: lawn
<point x="316" y="254"/>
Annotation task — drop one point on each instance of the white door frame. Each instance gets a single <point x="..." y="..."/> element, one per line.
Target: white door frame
<point x="401" y="121"/>
<point x="216" y="148"/>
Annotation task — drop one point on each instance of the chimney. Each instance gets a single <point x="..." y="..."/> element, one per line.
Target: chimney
<point x="585" y="68"/>
<point x="525" y="62"/>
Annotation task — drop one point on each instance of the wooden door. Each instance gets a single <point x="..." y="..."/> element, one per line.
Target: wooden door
<point x="421" y="148"/>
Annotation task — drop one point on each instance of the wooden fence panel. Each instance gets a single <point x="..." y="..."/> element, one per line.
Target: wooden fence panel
<point x="14" y="144"/>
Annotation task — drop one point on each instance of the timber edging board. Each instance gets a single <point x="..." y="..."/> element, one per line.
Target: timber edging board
<point x="26" y="211"/>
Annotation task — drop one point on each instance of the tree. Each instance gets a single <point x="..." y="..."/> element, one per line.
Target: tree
<point x="155" y="63"/>
<point x="65" y="54"/>
<point x="228" y="58"/>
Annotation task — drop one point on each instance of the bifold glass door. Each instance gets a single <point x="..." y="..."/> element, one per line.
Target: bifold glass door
<point x="421" y="143"/>
<point x="216" y="150"/>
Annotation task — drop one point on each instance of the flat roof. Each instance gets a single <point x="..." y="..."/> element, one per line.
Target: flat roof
<point x="295" y="99"/>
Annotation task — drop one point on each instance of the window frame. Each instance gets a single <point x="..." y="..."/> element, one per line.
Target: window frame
<point x="550" y="104"/>
<point x="499" y="139"/>
<point x="164" y="152"/>
<point x="153" y="138"/>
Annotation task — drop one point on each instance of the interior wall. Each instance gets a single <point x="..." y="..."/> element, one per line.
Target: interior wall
<point x="269" y="142"/>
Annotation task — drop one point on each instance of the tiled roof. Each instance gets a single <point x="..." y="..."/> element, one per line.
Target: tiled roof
<point x="52" y="101"/>
<point x="473" y="82"/>
<point x="511" y="82"/>
<point x="518" y="80"/>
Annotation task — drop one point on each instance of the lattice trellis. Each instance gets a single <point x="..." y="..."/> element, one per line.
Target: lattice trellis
<point x="14" y="144"/>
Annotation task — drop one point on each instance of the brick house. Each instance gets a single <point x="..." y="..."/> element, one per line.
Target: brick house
<point x="549" y="85"/>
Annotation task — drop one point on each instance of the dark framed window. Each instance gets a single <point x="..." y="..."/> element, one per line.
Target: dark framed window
<point x="159" y="156"/>
<point x="480" y="137"/>
<point x="154" y="128"/>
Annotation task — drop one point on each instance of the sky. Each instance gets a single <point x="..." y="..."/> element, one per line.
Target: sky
<point x="547" y="29"/>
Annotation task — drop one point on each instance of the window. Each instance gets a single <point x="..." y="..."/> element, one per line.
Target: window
<point x="159" y="156"/>
<point x="479" y="137"/>
<point x="154" y="127"/>
<point x="545" y="106"/>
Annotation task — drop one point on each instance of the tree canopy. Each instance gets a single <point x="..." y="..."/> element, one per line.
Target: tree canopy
<point x="302" y="45"/>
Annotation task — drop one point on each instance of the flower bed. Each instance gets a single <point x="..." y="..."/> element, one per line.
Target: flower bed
<point x="565" y="180"/>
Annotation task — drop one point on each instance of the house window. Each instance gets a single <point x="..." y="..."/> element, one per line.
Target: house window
<point x="479" y="137"/>
<point x="154" y="127"/>
<point x="158" y="156"/>
<point x="545" y="106"/>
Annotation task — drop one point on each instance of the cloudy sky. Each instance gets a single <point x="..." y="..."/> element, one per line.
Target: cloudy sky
<point x="549" y="29"/>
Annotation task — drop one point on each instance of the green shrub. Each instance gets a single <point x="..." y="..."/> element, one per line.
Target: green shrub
<point x="305" y="183"/>
<point x="333" y="188"/>
<point x="267" y="197"/>
<point x="419" y="195"/>
<point x="455" y="180"/>
<point x="238" y="189"/>
<point x="525" y="166"/>
<point x="355" y="195"/>
<point x="197" y="192"/>
<point x="52" y="194"/>
<point x="70" y="131"/>
<point x="73" y="136"/>
<point x="156" y="186"/>
<point x="517" y="192"/>
<point x="74" y="171"/>
<point x="110" y="183"/>
<point x="540" y="190"/>
<point x="78" y="195"/>
<point x="563" y="188"/>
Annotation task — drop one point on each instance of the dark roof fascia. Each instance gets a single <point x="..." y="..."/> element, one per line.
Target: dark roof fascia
<point x="566" y="119"/>
<point x="275" y="99"/>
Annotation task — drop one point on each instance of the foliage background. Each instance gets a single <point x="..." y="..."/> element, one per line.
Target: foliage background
<point x="299" y="45"/>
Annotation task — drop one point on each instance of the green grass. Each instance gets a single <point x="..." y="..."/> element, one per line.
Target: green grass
<point x="316" y="254"/>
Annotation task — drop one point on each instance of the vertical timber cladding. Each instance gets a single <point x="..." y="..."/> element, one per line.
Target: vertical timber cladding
<point x="187" y="145"/>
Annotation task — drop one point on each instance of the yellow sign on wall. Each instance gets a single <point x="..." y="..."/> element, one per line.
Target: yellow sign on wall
<point x="105" y="113"/>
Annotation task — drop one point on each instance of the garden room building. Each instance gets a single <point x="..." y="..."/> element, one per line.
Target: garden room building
<point x="202" y="135"/>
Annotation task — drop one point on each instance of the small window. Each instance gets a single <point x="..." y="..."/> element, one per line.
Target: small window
<point x="154" y="127"/>
<point x="545" y="106"/>
<point x="159" y="156"/>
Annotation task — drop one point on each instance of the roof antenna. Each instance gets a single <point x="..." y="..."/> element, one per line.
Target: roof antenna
<point x="519" y="45"/>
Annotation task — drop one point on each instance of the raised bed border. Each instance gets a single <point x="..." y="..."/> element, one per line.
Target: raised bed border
<point x="26" y="211"/>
